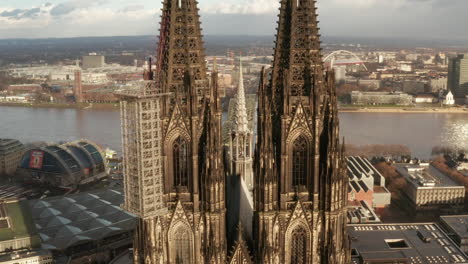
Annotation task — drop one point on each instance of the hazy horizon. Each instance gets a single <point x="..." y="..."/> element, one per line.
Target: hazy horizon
<point x="413" y="19"/>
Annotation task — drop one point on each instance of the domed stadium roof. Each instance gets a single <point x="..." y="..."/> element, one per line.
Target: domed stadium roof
<point x="71" y="162"/>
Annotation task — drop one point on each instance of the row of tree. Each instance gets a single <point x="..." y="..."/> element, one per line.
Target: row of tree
<point x="6" y="80"/>
<point x="395" y="183"/>
<point x="441" y="164"/>
<point x="454" y="152"/>
<point x="378" y="150"/>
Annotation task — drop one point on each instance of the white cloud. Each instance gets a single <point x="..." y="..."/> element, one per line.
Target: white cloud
<point x="244" y="7"/>
<point x="36" y="17"/>
<point x="70" y="18"/>
<point x="76" y="18"/>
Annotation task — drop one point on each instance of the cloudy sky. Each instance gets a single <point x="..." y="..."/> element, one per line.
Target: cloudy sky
<point x="429" y="19"/>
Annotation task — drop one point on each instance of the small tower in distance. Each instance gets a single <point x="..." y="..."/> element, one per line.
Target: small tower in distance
<point x="78" y="87"/>
<point x="241" y="137"/>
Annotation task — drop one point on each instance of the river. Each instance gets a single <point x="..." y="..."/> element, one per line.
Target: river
<point x="420" y="132"/>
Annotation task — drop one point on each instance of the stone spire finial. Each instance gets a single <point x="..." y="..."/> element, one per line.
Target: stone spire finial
<point x="240" y="115"/>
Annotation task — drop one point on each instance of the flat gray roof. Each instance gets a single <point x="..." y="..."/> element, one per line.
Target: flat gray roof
<point x="428" y="174"/>
<point x="403" y="242"/>
<point x="9" y="145"/>
<point x="458" y="224"/>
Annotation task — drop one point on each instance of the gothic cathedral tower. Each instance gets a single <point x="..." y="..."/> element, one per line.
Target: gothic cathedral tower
<point x="241" y="138"/>
<point x="174" y="175"/>
<point x="301" y="183"/>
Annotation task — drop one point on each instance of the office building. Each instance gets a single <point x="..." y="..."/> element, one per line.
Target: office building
<point x="458" y="76"/>
<point x="429" y="189"/>
<point x="11" y="152"/>
<point x="93" y="61"/>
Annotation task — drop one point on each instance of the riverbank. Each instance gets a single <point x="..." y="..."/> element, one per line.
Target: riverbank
<point x="346" y="109"/>
<point x="63" y="105"/>
<point x="418" y="132"/>
<point x="425" y="110"/>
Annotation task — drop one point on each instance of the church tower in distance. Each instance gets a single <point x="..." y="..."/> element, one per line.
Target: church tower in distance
<point x="300" y="177"/>
<point x="173" y="161"/>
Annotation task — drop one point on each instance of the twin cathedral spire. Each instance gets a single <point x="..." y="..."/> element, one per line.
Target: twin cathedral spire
<point x="175" y="167"/>
<point x="301" y="184"/>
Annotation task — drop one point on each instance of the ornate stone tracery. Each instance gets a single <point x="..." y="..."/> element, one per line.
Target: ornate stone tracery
<point x="182" y="150"/>
<point x="300" y="162"/>
<point x="300" y="175"/>
<point x="299" y="246"/>
<point x="180" y="162"/>
<point x="174" y="169"/>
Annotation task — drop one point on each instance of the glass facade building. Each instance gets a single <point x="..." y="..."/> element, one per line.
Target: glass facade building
<point x="458" y="76"/>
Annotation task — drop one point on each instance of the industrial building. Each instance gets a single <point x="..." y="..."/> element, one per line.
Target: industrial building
<point x="24" y="88"/>
<point x="66" y="74"/>
<point x="427" y="98"/>
<point x="19" y="242"/>
<point x="410" y="243"/>
<point x="63" y="165"/>
<point x="380" y="98"/>
<point x="458" y="76"/>
<point x="84" y="227"/>
<point x="370" y="84"/>
<point x="11" y="151"/>
<point x="20" y="98"/>
<point x="429" y="189"/>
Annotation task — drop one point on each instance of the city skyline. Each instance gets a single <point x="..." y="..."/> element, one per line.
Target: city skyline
<point x="429" y="19"/>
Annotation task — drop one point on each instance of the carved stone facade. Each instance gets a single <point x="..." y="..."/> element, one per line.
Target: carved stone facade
<point x="173" y="155"/>
<point x="240" y="253"/>
<point x="174" y="174"/>
<point x="301" y="182"/>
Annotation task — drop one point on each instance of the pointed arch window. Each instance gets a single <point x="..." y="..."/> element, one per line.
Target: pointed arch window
<point x="299" y="162"/>
<point x="299" y="246"/>
<point x="247" y="146"/>
<point x="182" y="246"/>
<point x="181" y="162"/>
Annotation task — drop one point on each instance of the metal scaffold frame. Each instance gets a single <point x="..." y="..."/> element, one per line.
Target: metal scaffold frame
<point x="142" y="141"/>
